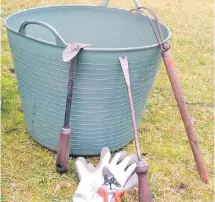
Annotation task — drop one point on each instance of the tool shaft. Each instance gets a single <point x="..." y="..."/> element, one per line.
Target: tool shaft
<point x="134" y="124"/>
<point x="179" y="96"/>
<point x="69" y="92"/>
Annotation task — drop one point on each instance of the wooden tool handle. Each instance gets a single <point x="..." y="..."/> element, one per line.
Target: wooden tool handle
<point x="179" y="96"/>
<point x="144" y="190"/>
<point x="62" y="159"/>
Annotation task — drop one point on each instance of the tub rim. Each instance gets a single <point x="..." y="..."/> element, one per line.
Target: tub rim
<point x="87" y="48"/>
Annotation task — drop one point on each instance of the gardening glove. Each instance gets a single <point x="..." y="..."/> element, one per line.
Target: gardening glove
<point x="91" y="178"/>
<point x="116" y="193"/>
<point x="122" y="170"/>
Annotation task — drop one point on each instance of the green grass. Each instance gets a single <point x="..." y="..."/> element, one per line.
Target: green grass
<point x="28" y="170"/>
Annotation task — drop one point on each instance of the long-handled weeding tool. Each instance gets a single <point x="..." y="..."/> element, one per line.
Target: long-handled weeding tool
<point x="142" y="168"/>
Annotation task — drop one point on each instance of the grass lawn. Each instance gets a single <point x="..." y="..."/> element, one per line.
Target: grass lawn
<point x="28" y="170"/>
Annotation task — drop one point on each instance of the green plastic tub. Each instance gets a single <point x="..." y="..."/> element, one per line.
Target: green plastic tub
<point x="100" y="114"/>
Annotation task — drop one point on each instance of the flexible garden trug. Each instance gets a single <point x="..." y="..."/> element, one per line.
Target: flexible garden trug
<point x="100" y="115"/>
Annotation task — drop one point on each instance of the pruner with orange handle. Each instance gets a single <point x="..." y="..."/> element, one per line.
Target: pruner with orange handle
<point x="112" y="191"/>
<point x="109" y="194"/>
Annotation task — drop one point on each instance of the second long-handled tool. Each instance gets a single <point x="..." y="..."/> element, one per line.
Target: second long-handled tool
<point x="178" y="93"/>
<point x="142" y="168"/>
<point x="62" y="160"/>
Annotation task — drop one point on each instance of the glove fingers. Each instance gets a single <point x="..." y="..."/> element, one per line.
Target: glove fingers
<point x="91" y="167"/>
<point x="129" y="160"/>
<point x="118" y="157"/>
<point x="131" y="183"/>
<point x="130" y="170"/>
<point x="104" y="158"/>
<point x="104" y="151"/>
<point x="81" y="167"/>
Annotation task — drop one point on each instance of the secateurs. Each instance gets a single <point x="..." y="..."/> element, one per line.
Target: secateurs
<point x="111" y="189"/>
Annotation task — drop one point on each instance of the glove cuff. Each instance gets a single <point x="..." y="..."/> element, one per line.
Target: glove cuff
<point x="86" y="191"/>
<point x="77" y="197"/>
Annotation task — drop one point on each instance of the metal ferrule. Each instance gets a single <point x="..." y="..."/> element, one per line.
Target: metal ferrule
<point x="142" y="167"/>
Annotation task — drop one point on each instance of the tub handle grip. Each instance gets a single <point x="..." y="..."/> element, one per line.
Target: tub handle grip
<point x="59" y="39"/>
<point x="105" y="3"/>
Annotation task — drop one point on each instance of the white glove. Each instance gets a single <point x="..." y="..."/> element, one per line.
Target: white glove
<point x="122" y="168"/>
<point x="130" y="184"/>
<point x="91" y="178"/>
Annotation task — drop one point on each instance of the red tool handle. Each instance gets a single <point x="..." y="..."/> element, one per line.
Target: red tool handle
<point x="144" y="190"/>
<point x="179" y="96"/>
